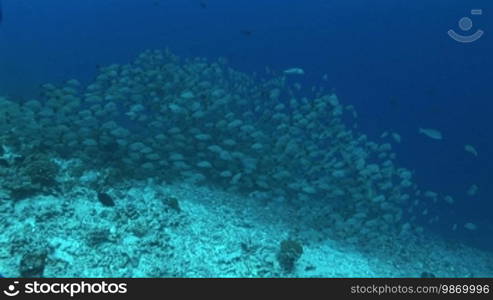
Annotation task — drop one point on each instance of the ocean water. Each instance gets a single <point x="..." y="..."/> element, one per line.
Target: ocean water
<point x="393" y="61"/>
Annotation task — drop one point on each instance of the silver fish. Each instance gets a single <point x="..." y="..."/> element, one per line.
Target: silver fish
<point x="431" y="133"/>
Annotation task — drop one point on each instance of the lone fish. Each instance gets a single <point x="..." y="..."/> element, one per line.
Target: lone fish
<point x="471" y="150"/>
<point x="294" y="71"/>
<point x="470" y="226"/>
<point x="396" y="137"/>
<point x="473" y="190"/>
<point x="431" y="133"/>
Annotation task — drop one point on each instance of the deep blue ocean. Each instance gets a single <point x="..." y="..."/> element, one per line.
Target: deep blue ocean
<point x="392" y="60"/>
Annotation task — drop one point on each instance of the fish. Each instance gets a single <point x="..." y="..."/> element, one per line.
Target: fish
<point x="294" y="71"/>
<point x="470" y="226"/>
<point x="396" y="137"/>
<point x="473" y="190"/>
<point x="105" y="199"/>
<point x="431" y="133"/>
<point x="471" y="150"/>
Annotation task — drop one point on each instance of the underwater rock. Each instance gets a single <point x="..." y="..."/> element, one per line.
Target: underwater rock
<point x="289" y="252"/>
<point x="26" y="176"/>
<point x="4" y="163"/>
<point x="32" y="264"/>
<point x="41" y="170"/>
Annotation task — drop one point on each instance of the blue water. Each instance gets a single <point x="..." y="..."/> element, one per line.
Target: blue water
<point x="392" y="60"/>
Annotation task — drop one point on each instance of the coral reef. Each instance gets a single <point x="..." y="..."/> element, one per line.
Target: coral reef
<point x="27" y="176"/>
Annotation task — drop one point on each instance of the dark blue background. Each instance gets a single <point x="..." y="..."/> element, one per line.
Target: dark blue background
<point x="391" y="59"/>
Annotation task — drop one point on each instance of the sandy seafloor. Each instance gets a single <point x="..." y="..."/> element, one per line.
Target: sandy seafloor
<point x="214" y="234"/>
